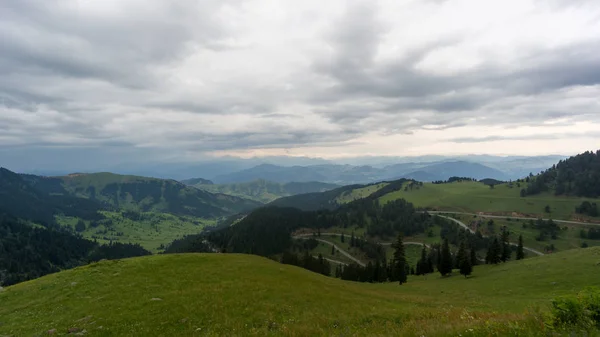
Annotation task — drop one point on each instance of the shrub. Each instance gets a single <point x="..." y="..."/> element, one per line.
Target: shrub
<point x="581" y="312"/>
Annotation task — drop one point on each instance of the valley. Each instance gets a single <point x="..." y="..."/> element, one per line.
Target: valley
<point x="338" y="248"/>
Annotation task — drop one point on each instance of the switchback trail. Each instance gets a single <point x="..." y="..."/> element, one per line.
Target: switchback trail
<point x="345" y="253"/>
<point x="462" y="224"/>
<point x="514" y="217"/>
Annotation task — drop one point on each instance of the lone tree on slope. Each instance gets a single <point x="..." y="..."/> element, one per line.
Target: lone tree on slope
<point x="445" y="266"/>
<point x="520" y="252"/>
<point x="400" y="260"/>
<point x="465" y="267"/>
<point x="506" y="249"/>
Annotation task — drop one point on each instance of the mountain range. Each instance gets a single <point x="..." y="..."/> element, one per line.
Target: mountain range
<point x="349" y="174"/>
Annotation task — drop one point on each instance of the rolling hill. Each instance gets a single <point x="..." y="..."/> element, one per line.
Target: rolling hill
<point x="229" y="294"/>
<point x="262" y="190"/>
<point x="142" y="194"/>
<point x="475" y="197"/>
<point x="107" y="208"/>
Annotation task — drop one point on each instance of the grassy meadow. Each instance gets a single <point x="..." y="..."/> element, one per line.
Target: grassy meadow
<point x="359" y="193"/>
<point x="569" y="237"/>
<point x="235" y="295"/>
<point x="474" y="197"/>
<point x="151" y="229"/>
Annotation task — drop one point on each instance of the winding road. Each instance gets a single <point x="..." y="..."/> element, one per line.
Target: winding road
<point x="462" y="224"/>
<point x="514" y="217"/>
<point x="345" y="253"/>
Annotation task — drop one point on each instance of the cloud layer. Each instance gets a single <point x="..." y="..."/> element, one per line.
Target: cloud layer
<point x="183" y="79"/>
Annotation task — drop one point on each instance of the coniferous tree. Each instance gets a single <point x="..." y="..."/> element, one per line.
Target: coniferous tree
<point x="520" y="252"/>
<point x="446" y="259"/>
<point x="422" y="266"/>
<point x="506" y="249"/>
<point x="400" y="260"/>
<point x="473" y="257"/>
<point x="494" y="252"/>
<point x="461" y="254"/>
<point x="465" y="266"/>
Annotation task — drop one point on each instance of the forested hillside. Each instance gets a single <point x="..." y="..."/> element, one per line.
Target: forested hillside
<point x="141" y="194"/>
<point x="576" y="176"/>
<point x="263" y="190"/>
<point x="28" y="252"/>
<point x="266" y="231"/>
<point x="19" y="198"/>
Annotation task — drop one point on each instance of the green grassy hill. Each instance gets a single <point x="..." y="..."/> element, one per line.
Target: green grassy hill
<point x="144" y="194"/>
<point x="262" y="190"/>
<point x="223" y="294"/>
<point x="474" y="197"/>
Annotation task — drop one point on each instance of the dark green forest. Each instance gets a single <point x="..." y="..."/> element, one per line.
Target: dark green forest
<point x="28" y="252"/>
<point x="577" y="176"/>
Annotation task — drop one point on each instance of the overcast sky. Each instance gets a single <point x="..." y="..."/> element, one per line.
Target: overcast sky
<point x="183" y="79"/>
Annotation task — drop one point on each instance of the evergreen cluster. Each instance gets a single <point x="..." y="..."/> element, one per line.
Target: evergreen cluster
<point x="316" y="264"/>
<point x="500" y="249"/>
<point x="578" y="176"/>
<point x="588" y="208"/>
<point x="267" y="231"/>
<point x="28" y="252"/>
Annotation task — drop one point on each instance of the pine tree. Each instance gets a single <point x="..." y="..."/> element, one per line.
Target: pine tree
<point x="461" y="254"/>
<point x="465" y="266"/>
<point x="422" y="267"/>
<point x="473" y="257"/>
<point x="494" y="253"/>
<point x="446" y="259"/>
<point x="400" y="260"/>
<point x="506" y="251"/>
<point x="520" y="252"/>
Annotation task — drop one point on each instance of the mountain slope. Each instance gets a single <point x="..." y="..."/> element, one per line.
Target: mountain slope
<point x="228" y="294"/>
<point x="578" y="176"/>
<point x="27" y="252"/>
<point x="443" y="171"/>
<point x="19" y="198"/>
<point x="263" y="190"/>
<point x="142" y="194"/>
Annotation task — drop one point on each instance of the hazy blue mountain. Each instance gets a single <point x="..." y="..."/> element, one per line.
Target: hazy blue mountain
<point x="348" y="174"/>
<point x="443" y="171"/>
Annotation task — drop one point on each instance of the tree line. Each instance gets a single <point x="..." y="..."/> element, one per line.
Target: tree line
<point x="28" y="252"/>
<point x="578" y="176"/>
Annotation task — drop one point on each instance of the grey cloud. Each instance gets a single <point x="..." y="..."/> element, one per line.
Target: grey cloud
<point x="525" y="137"/>
<point x="89" y="68"/>
<point x="399" y="88"/>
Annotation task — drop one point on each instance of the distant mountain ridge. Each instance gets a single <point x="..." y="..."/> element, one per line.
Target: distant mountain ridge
<point x="40" y="198"/>
<point x="263" y="190"/>
<point x="348" y="174"/>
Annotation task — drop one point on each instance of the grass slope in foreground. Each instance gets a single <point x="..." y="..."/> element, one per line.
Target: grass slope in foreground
<point x="476" y="197"/>
<point x="223" y="294"/>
